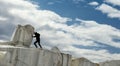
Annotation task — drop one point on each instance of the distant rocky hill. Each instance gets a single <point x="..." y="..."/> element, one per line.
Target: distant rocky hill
<point x="110" y="63"/>
<point x="82" y="62"/>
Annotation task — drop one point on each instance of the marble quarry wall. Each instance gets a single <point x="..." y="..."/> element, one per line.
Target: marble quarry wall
<point x="21" y="55"/>
<point x="33" y="57"/>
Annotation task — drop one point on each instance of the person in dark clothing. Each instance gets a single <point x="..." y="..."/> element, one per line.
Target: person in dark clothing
<point x="37" y="36"/>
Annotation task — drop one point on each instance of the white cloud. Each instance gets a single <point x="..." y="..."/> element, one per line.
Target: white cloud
<point x="50" y="3"/>
<point x="3" y="18"/>
<point x="114" y="2"/>
<point x="55" y="32"/>
<point x="78" y="1"/>
<point x="93" y="55"/>
<point x="98" y="32"/>
<point x="19" y="4"/>
<point x="2" y="41"/>
<point x="93" y="3"/>
<point x="110" y="11"/>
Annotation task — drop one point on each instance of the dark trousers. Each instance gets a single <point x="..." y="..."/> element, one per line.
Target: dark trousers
<point x="38" y="44"/>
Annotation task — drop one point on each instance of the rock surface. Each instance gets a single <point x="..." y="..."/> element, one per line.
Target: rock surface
<point x="22" y="37"/>
<point x="33" y="57"/>
<point x="111" y="63"/>
<point x="82" y="62"/>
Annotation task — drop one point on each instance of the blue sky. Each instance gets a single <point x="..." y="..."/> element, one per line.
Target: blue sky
<point x="82" y="28"/>
<point x="79" y="9"/>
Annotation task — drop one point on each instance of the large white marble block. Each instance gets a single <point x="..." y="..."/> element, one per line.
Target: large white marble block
<point x="22" y="36"/>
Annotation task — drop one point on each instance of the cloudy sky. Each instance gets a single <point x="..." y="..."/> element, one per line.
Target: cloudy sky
<point x="82" y="28"/>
